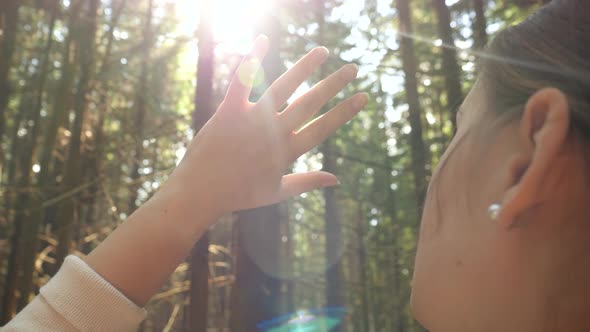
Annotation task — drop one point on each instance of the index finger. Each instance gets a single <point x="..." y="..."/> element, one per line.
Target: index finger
<point x="241" y="84"/>
<point x="280" y="91"/>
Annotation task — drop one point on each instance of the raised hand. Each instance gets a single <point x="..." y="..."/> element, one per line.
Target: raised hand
<point x="237" y="161"/>
<point x="240" y="157"/>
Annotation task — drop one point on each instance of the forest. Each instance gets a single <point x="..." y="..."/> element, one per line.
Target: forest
<point x="99" y="98"/>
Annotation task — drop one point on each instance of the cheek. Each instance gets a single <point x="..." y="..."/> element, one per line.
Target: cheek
<point x="451" y="268"/>
<point x="449" y="244"/>
<point x="458" y="258"/>
<point x="444" y="190"/>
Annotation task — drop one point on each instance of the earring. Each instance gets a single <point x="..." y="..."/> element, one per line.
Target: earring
<point x="494" y="211"/>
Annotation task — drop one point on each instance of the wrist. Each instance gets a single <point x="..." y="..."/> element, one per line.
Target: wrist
<point x="143" y="251"/>
<point x="188" y="207"/>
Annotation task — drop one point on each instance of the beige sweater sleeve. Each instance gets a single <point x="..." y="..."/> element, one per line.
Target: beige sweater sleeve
<point x="78" y="299"/>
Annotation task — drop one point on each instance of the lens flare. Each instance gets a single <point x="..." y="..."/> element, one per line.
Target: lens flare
<point x="315" y="320"/>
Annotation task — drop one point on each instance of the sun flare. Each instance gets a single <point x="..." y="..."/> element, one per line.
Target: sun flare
<point x="233" y="22"/>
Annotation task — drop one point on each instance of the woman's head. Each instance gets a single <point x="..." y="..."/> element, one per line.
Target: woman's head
<point x="523" y="141"/>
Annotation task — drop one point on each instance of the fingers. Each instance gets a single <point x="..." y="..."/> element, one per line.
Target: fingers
<point x="319" y="129"/>
<point x="278" y="93"/>
<point x="309" y="104"/>
<point x="295" y="184"/>
<point x="241" y="84"/>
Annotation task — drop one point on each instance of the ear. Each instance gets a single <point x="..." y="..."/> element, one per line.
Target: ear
<point x="543" y="130"/>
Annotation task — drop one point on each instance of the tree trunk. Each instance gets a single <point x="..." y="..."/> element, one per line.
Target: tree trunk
<point x="363" y="267"/>
<point x="35" y="218"/>
<point x="102" y="107"/>
<point x="30" y="225"/>
<point x="450" y="65"/>
<point x="65" y="216"/>
<point x="199" y="287"/>
<point x="480" y="36"/>
<point x="393" y="255"/>
<point x="62" y="102"/>
<point x="256" y="294"/>
<point x="141" y="112"/>
<point x="24" y="236"/>
<point x="14" y="174"/>
<point x="13" y="171"/>
<point x="286" y="260"/>
<point x="333" y="228"/>
<point x="9" y="31"/>
<point x="204" y="109"/>
<point x="408" y="57"/>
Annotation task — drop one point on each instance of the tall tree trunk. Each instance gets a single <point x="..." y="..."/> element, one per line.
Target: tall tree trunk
<point x="287" y="256"/>
<point x="31" y="226"/>
<point x="9" y="19"/>
<point x="333" y="228"/>
<point x="62" y="101"/>
<point x="408" y="57"/>
<point x="256" y="294"/>
<point x="24" y="236"/>
<point x="333" y="231"/>
<point x="480" y="36"/>
<point x="141" y="112"/>
<point x="393" y="254"/>
<point x="204" y="109"/>
<point x="14" y="173"/>
<point x="363" y="267"/>
<point x="450" y="65"/>
<point x="35" y="218"/>
<point x="65" y="217"/>
<point x="13" y="169"/>
<point x="102" y="109"/>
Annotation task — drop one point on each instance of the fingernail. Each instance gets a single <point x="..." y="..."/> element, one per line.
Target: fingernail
<point x="323" y="52"/>
<point x="261" y="37"/>
<point x="332" y="182"/>
<point x="360" y="100"/>
<point x="352" y="69"/>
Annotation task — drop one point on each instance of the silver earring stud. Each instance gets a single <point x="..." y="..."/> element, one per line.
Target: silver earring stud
<point x="494" y="211"/>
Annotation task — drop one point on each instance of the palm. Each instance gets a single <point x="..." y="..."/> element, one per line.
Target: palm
<point x="252" y="144"/>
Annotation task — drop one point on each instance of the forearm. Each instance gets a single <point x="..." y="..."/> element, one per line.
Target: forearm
<point x="139" y="256"/>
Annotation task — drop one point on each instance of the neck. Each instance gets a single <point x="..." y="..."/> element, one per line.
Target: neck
<point x="570" y="310"/>
<point x="565" y="305"/>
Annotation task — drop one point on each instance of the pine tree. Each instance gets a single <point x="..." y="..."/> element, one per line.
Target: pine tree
<point x="65" y="216"/>
<point x="450" y="65"/>
<point x="408" y="58"/>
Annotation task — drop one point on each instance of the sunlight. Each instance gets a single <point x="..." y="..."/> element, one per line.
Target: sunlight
<point x="234" y="21"/>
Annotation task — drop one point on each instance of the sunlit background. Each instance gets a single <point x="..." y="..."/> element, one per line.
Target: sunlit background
<point x="319" y="260"/>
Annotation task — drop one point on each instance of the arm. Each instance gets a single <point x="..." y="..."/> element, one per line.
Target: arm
<point x="237" y="161"/>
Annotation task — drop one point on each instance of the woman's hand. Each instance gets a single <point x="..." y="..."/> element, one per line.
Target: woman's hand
<point x="237" y="161"/>
<point x="240" y="156"/>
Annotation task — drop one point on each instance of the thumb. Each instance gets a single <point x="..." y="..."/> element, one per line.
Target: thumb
<point x="295" y="184"/>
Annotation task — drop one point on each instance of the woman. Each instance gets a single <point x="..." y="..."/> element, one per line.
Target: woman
<point x="504" y="242"/>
